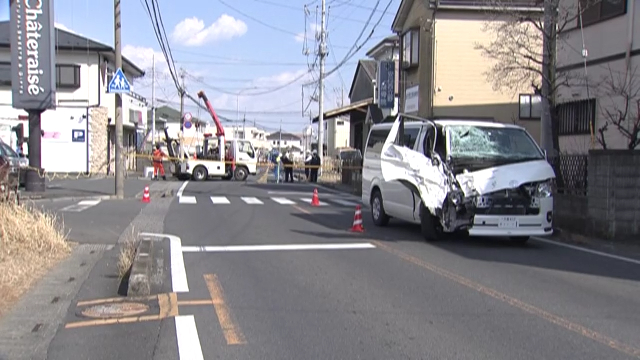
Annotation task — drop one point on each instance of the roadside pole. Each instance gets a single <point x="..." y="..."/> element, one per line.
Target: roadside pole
<point x="119" y="176"/>
<point x="153" y="102"/>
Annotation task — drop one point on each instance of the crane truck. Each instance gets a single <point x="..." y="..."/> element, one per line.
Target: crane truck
<point x="226" y="159"/>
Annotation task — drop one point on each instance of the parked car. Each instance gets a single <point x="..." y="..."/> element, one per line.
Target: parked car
<point x="9" y="170"/>
<point x="480" y="177"/>
<point x="18" y="161"/>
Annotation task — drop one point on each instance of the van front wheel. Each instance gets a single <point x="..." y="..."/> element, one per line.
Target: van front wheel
<point x="380" y="218"/>
<point x="430" y="225"/>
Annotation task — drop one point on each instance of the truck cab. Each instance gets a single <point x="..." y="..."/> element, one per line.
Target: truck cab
<point x="208" y="164"/>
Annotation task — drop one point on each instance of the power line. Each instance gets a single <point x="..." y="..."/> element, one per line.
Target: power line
<point x="254" y="63"/>
<point x="357" y="47"/>
<point x="258" y="20"/>
<point x="291" y="7"/>
<point x="271" y="90"/>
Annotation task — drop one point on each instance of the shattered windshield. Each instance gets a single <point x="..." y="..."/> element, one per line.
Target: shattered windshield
<point x="486" y="141"/>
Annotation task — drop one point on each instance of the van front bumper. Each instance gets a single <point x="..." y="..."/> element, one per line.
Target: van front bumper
<point x="516" y="225"/>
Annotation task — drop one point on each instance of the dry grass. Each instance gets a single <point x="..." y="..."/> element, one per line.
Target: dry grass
<point x="127" y="253"/>
<point x="31" y="241"/>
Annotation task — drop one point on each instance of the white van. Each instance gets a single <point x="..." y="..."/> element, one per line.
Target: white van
<point x="477" y="177"/>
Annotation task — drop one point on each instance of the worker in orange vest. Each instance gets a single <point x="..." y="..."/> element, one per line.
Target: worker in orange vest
<point x="157" y="163"/>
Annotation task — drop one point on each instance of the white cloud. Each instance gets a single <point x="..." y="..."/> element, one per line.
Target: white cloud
<point x="314" y="30"/>
<point x="192" y="31"/>
<point x="143" y="57"/>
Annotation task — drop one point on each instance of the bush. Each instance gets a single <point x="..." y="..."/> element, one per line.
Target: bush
<point x="31" y="241"/>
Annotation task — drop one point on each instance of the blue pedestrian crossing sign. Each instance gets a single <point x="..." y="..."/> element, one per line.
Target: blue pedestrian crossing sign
<point x="119" y="83"/>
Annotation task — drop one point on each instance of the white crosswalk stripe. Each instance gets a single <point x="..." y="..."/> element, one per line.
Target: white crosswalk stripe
<point x="283" y="201"/>
<point x="308" y="200"/>
<point x="82" y="205"/>
<point x="252" y="200"/>
<point x="344" y="202"/>
<point x="187" y="200"/>
<point x="220" y="200"/>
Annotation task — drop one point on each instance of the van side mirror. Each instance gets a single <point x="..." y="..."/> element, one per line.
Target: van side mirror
<point x="545" y="154"/>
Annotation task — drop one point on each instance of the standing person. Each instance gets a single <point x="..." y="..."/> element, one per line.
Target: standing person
<point x="315" y="167"/>
<point x="278" y="166"/>
<point x="157" y="163"/>
<point x="287" y="161"/>
<point x="307" y="162"/>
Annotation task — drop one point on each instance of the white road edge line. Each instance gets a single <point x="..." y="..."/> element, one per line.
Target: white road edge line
<point x="181" y="190"/>
<point x="583" y="249"/>
<point x="188" y="340"/>
<point x="285" y="247"/>
<point x="179" y="282"/>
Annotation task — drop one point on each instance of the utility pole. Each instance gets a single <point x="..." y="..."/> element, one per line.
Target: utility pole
<point x="244" y="126"/>
<point x="548" y="75"/>
<point x="322" y="53"/>
<point x="280" y="139"/>
<point x="153" y="102"/>
<point x="119" y="176"/>
<point x="182" y="91"/>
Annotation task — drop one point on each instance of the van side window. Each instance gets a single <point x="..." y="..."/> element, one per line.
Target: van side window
<point x="376" y="140"/>
<point x="410" y="137"/>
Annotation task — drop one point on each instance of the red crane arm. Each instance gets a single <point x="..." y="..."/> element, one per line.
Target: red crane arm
<point x="219" y="128"/>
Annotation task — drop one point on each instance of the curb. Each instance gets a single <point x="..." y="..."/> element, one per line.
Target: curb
<point x="147" y="271"/>
<point x="139" y="277"/>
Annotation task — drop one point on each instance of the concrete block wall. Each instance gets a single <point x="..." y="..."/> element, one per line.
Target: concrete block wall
<point x="614" y="193"/>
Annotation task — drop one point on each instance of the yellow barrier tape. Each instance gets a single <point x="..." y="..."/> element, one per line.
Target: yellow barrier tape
<point x="331" y="167"/>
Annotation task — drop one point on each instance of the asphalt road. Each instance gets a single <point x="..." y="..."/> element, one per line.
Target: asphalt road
<point x="395" y="297"/>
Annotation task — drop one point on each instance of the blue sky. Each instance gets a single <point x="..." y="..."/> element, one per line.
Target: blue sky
<point x="228" y="46"/>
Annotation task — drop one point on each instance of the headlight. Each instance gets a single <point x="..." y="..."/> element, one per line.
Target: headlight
<point x="544" y="189"/>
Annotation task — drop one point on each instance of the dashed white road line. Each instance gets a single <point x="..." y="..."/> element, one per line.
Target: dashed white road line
<point x="252" y="200"/>
<point x="283" y="247"/>
<point x="187" y="200"/>
<point x="220" y="200"/>
<point x="188" y="340"/>
<point x="179" y="282"/>
<point x="583" y="249"/>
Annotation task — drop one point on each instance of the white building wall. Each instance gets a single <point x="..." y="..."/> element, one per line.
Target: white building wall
<point x="59" y="152"/>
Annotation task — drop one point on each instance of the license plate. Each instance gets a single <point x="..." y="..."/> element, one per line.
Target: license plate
<point x="508" y="222"/>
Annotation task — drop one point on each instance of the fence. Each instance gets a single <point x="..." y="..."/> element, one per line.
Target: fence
<point x="573" y="173"/>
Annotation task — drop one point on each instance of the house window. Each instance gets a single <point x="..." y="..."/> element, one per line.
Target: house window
<point x="576" y="117"/>
<point x="530" y="107"/>
<point x="596" y="11"/>
<point x="68" y="76"/>
<point x="410" y="48"/>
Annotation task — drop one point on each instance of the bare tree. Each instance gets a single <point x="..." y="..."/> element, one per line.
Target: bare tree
<point x="619" y="93"/>
<point x="523" y="52"/>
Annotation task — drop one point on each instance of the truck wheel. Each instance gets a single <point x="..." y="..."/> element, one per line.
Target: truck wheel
<point x="241" y="173"/>
<point x="380" y="218"/>
<point x="430" y="226"/>
<point x="200" y="173"/>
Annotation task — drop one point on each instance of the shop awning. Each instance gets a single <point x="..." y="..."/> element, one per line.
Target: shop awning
<point x="356" y="106"/>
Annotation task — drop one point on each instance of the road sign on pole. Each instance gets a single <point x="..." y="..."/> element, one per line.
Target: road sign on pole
<point x="119" y="83"/>
<point x="187" y="124"/>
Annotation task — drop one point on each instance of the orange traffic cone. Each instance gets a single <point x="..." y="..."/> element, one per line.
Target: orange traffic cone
<point x="314" y="200"/>
<point x="357" y="221"/>
<point x="145" y="196"/>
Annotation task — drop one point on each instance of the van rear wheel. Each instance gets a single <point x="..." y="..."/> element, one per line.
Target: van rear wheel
<point x="380" y="218"/>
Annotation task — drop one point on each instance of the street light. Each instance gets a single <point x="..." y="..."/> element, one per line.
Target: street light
<point x="244" y="136"/>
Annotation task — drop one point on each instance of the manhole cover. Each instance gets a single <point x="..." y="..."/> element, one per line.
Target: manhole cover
<point x="115" y="310"/>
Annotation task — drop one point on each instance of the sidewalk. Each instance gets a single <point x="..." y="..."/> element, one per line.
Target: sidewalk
<point x="85" y="188"/>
